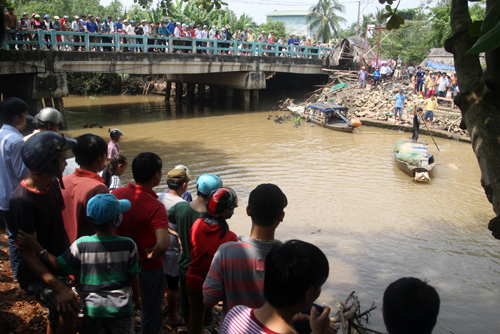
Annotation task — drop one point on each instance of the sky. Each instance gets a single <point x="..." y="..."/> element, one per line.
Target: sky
<point x="258" y="9"/>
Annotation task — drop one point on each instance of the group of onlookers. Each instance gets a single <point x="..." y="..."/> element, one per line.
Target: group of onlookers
<point x="126" y="244"/>
<point x="18" y="30"/>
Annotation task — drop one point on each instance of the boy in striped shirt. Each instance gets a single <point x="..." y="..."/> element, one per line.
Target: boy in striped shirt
<point x="108" y="265"/>
<point x="294" y="274"/>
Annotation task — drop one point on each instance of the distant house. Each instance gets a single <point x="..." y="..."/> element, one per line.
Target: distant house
<point x="295" y="21"/>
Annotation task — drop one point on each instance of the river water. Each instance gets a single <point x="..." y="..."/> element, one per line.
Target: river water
<point x="345" y="194"/>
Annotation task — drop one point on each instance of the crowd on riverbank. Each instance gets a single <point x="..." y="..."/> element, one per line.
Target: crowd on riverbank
<point x="127" y="244"/>
<point x="158" y="34"/>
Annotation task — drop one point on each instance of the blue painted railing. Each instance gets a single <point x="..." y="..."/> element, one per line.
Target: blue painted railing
<point x="42" y="40"/>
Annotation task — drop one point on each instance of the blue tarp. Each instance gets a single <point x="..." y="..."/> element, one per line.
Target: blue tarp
<point x="439" y="66"/>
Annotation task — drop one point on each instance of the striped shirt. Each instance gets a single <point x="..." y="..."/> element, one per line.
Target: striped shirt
<point x="241" y="319"/>
<point x="237" y="273"/>
<point x="105" y="264"/>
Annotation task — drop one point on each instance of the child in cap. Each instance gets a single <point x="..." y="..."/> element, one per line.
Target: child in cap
<point x="108" y="265"/>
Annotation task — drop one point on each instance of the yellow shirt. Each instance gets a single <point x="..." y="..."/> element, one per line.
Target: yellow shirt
<point x="250" y="38"/>
<point x="428" y="81"/>
<point x="430" y="104"/>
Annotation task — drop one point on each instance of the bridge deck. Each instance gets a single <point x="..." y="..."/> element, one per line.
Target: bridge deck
<point x="18" y="62"/>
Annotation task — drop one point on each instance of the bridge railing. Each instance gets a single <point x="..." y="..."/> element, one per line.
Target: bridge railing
<point x="117" y="42"/>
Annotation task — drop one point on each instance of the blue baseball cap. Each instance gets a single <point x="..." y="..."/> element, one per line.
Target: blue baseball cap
<point x="132" y="21"/>
<point x="106" y="19"/>
<point x="103" y="208"/>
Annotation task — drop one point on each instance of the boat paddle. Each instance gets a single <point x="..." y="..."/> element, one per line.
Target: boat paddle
<point x="432" y="136"/>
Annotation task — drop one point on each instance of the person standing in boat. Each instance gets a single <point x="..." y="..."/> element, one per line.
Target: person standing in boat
<point x="417" y="114"/>
<point x="399" y="104"/>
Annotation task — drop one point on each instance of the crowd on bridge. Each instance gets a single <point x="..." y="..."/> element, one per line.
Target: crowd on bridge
<point x="158" y="33"/>
<point x="126" y="245"/>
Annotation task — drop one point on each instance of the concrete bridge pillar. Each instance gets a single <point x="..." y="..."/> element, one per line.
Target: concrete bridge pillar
<point x="214" y="92"/>
<point x="255" y="99"/>
<point x="178" y="93"/>
<point x="246" y="100"/>
<point x="229" y="98"/>
<point x="190" y="94"/>
<point x="201" y="95"/>
<point x="168" y="90"/>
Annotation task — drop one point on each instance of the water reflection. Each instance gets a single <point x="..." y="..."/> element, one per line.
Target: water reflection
<point x="345" y="195"/>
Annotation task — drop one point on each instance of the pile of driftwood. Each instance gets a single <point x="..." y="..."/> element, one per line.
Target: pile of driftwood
<point x="351" y="318"/>
<point x="342" y="76"/>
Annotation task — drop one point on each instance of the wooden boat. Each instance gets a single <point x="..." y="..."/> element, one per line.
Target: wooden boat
<point x="329" y="115"/>
<point x="418" y="170"/>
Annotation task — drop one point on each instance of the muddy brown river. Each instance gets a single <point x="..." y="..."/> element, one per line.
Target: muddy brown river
<point x="345" y="195"/>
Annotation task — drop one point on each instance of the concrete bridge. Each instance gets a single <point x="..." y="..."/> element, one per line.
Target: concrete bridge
<point x="40" y="75"/>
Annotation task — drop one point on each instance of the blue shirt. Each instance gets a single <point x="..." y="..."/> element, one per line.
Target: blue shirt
<point x="163" y="31"/>
<point x="12" y="168"/>
<point x="376" y="75"/>
<point x="118" y="26"/>
<point x="91" y="26"/>
<point x="105" y="28"/>
<point x="420" y="75"/>
<point x="296" y="41"/>
<point x="80" y="24"/>
<point x="290" y="41"/>
<point x="400" y="98"/>
<point x="171" y="27"/>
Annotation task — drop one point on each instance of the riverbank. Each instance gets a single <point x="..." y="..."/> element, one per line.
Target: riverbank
<point x="20" y="313"/>
<point x="375" y="107"/>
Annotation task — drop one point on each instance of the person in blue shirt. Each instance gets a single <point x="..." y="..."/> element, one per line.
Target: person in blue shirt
<point x="92" y="27"/>
<point x="118" y="24"/>
<point x="163" y="33"/>
<point x="13" y="114"/>
<point x="171" y="27"/>
<point x="399" y="104"/>
<point x="376" y="77"/>
<point x="105" y="28"/>
<point x="420" y="80"/>
<point x="296" y="42"/>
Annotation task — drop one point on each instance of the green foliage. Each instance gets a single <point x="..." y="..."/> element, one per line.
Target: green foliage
<point x="411" y="40"/>
<point x="94" y="83"/>
<point x="70" y="8"/>
<point x="490" y="30"/>
<point x="278" y="27"/>
<point x="324" y="17"/>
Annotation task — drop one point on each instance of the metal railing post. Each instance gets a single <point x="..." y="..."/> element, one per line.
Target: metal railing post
<point x="87" y="41"/>
<point x="193" y="45"/>
<point x="170" y="44"/>
<point x="40" y="39"/>
<point x="117" y="42"/>
<point x="145" y="41"/>
<point x="215" y="50"/>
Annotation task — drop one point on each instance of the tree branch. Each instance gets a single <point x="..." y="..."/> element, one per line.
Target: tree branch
<point x="468" y="67"/>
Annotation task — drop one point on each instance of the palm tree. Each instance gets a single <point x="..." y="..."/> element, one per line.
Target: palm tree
<point x="377" y="18"/>
<point x="324" y="17"/>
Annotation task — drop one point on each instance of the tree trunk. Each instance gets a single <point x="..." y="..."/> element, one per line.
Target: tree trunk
<point x="479" y="102"/>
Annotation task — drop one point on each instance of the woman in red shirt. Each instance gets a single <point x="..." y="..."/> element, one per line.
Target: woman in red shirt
<point x="207" y="234"/>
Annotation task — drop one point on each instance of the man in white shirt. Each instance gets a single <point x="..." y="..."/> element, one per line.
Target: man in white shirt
<point x="177" y="182"/>
<point x="129" y="30"/>
<point x="145" y="27"/>
<point x="211" y="35"/>
<point x="442" y="85"/>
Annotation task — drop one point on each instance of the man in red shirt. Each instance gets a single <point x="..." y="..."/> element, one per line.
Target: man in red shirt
<point x="90" y="153"/>
<point x="147" y="224"/>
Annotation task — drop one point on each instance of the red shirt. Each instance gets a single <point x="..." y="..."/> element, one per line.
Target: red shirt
<point x="146" y="215"/>
<point x="80" y="186"/>
<point x="205" y="240"/>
